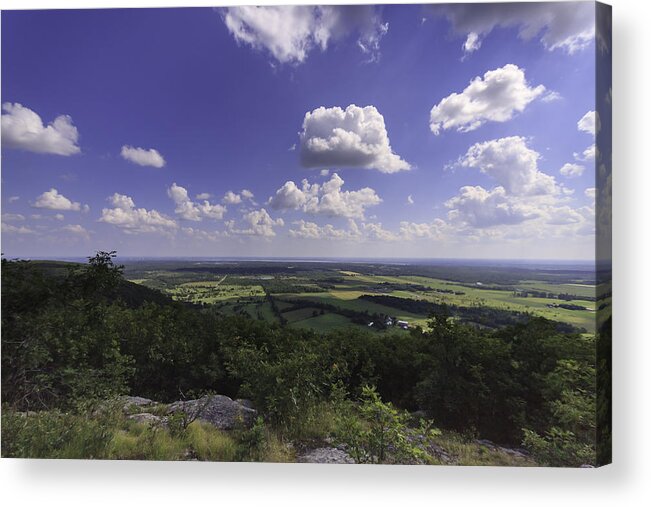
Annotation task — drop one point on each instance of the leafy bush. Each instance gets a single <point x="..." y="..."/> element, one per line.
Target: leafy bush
<point x="376" y="432"/>
<point x="559" y="448"/>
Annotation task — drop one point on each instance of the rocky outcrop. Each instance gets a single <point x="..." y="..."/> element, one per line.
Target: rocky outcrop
<point x="517" y="453"/>
<point x="146" y="418"/>
<point x="329" y="455"/>
<point x="220" y="411"/>
<point x="129" y="403"/>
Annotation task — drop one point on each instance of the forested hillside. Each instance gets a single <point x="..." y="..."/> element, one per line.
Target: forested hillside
<point x="82" y="335"/>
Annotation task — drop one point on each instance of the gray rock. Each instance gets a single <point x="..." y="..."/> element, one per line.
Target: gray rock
<point x="329" y="455"/>
<point x="136" y="401"/>
<point x="218" y="410"/>
<point x="515" y="452"/>
<point x="518" y="453"/>
<point x="146" y="418"/>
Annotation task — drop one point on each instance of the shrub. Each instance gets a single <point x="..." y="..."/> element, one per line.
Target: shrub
<point x="558" y="448"/>
<point x="376" y="432"/>
<point x="260" y="443"/>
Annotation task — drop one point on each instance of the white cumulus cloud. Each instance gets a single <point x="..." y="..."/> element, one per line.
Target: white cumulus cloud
<point x="126" y="216"/>
<point x="290" y="33"/>
<point x="568" y="26"/>
<point x="52" y="199"/>
<point x="13" y="229"/>
<point x="311" y="230"/>
<point x="432" y="230"/>
<point x="77" y="230"/>
<point x="572" y="170"/>
<point x="190" y="210"/>
<point x="512" y="164"/>
<point x="589" y="123"/>
<point x="478" y="207"/>
<point x="231" y="197"/>
<point x="324" y="199"/>
<point x="348" y="138"/>
<point x="23" y="129"/>
<point x="258" y="223"/>
<point x="376" y="232"/>
<point x="143" y="157"/>
<point x="588" y="155"/>
<point x="497" y="96"/>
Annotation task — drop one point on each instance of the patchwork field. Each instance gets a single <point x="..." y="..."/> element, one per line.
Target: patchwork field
<point x="322" y="297"/>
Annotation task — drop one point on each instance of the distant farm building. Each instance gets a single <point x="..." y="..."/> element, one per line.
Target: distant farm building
<point x="403" y="324"/>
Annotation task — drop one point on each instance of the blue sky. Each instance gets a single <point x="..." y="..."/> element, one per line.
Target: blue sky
<point x="126" y="129"/>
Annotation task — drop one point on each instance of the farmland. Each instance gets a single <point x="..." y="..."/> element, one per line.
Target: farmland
<point x="326" y="296"/>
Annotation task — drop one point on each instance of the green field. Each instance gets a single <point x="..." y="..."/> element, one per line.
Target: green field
<point x="326" y="322"/>
<point x="335" y="291"/>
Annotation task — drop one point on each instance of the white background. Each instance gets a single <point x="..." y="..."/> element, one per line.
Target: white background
<point x="626" y="482"/>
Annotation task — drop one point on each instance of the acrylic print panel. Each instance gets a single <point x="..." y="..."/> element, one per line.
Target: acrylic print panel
<point x="312" y="234"/>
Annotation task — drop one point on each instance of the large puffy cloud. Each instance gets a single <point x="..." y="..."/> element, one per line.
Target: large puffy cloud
<point x="52" y="199"/>
<point x="478" y="207"/>
<point x="231" y="197"/>
<point x="325" y="199"/>
<point x="290" y="33"/>
<point x="497" y="96"/>
<point x="290" y="196"/>
<point x="23" y="129"/>
<point x="189" y="210"/>
<point x="126" y="216"/>
<point x="589" y="123"/>
<point x="354" y="137"/>
<point x="512" y="164"/>
<point x="524" y="196"/>
<point x="143" y="157"/>
<point x="259" y="223"/>
<point x="569" y="26"/>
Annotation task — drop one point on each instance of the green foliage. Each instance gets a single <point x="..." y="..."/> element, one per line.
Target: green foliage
<point x="604" y="393"/>
<point x="376" y="432"/>
<point x="558" y="447"/>
<point x="75" y="336"/>
<point x="210" y="444"/>
<point x="285" y="379"/>
<point x="570" y="441"/>
<point x="55" y="434"/>
<point x="261" y="443"/>
<point x="57" y="336"/>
